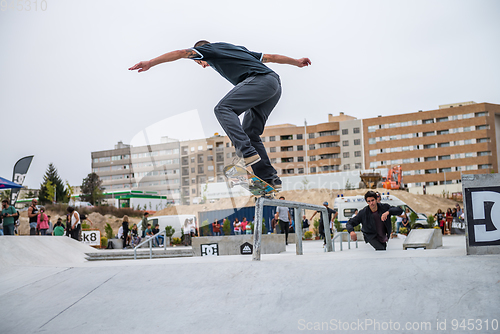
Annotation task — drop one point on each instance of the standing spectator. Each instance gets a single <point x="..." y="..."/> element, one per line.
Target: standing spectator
<point x="305" y="224"/>
<point x="68" y="225"/>
<point x="9" y="213"/>
<point x="355" y="213"/>
<point x="59" y="228"/>
<point x="187" y="232"/>
<point x="459" y="210"/>
<point x="399" y="222"/>
<point x="332" y="214"/>
<point x="237" y="226"/>
<point x="32" y="215"/>
<point x="274" y="223"/>
<point x="50" y="230"/>
<point x="144" y="223"/>
<point x="249" y="228"/>
<point x="216" y="227"/>
<point x="74" y="222"/>
<point x="439" y="217"/>
<point x="243" y="225"/>
<point x="135" y="239"/>
<point x="43" y="222"/>
<point x="449" y="219"/>
<point x="284" y="219"/>
<point x="406" y="220"/>
<point x="125" y="231"/>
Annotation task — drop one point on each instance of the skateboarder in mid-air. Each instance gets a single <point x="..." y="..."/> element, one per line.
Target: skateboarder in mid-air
<point x="256" y="93"/>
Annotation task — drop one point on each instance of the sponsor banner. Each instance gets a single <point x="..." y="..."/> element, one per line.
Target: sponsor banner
<point x="91" y="238"/>
<point x="19" y="174"/>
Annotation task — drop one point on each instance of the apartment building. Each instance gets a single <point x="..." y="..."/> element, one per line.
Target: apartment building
<point x="435" y="147"/>
<point x="312" y="149"/>
<point x="148" y="168"/>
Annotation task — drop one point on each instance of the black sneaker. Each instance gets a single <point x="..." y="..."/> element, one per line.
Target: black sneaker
<point x="276" y="183"/>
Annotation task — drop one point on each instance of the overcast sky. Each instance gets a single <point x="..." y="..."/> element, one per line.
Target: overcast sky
<point x="65" y="90"/>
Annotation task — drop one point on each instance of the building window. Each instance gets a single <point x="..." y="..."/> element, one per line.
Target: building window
<point x="444" y="157"/>
<point x="311" y="136"/>
<point x="301" y="170"/>
<point x="372" y="141"/>
<point x="357" y="165"/>
<point x="428" y="121"/>
<point x="286" y="137"/>
<point x="193" y="170"/>
<point x="286" y="148"/>
<point x="345" y="143"/>
<point x="300" y="148"/>
<point x="430" y="159"/>
<point x="329" y="144"/>
<point x="443" y="132"/>
<point x="272" y="149"/>
<point x="346" y="155"/>
<point x="273" y="160"/>
<point x="482" y="127"/>
<point x="485" y="166"/>
<point x="272" y="138"/>
<point x="483" y="154"/>
<point x="431" y="171"/>
<point x="347" y="167"/>
<point x="442" y="119"/>
<point x="193" y="191"/>
<point x="345" y="131"/>
<point x="447" y="144"/>
<point x="200" y="169"/>
<point x="312" y="158"/>
<point x="373" y="128"/>
<point x="311" y="147"/>
<point x="328" y="133"/>
<point x="263" y="139"/>
<point x="483" y="140"/>
<point x="193" y="181"/>
<point x="300" y="159"/>
<point x="357" y="154"/>
<point x="313" y="169"/>
<point x="428" y="146"/>
<point x="481" y="114"/>
<point x="210" y="168"/>
<point x="357" y="141"/>
<point x="300" y="136"/>
<point x="429" y="133"/>
<point x="285" y="160"/>
<point x="355" y="130"/>
<point x="445" y="170"/>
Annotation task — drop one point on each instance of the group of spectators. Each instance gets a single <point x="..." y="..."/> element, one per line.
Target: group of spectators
<point x="444" y="220"/>
<point x="39" y="221"/>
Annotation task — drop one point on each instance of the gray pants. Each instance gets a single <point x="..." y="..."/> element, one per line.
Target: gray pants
<point x="255" y="96"/>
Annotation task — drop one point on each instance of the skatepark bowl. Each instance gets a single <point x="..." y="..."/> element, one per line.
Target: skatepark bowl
<point x="49" y="286"/>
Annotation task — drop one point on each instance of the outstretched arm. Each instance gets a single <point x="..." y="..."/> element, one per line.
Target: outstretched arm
<point x="279" y="59"/>
<point x="167" y="57"/>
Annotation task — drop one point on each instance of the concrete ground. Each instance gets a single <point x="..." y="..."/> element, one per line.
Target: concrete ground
<point x="50" y="288"/>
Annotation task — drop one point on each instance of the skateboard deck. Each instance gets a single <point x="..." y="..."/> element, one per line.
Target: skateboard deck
<point x="237" y="175"/>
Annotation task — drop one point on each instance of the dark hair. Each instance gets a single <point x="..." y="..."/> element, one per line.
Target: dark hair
<point x="200" y="43"/>
<point x="370" y="194"/>
<point x="146" y="213"/>
<point x="70" y="209"/>
<point x="282" y="197"/>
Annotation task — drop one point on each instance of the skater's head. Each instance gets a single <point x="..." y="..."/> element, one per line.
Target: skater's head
<point x="371" y="199"/>
<point x="282" y="197"/>
<point x="200" y="43"/>
<point x="325" y="204"/>
<point x="202" y="63"/>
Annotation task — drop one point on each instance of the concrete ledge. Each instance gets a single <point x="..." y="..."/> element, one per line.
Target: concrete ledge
<point x="429" y="238"/>
<point x="230" y="245"/>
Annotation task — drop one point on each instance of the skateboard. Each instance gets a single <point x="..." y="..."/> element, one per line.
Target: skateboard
<point x="237" y="175"/>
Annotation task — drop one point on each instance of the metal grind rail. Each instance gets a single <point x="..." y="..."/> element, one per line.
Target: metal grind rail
<point x="339" y="236"/>
<point x="259" y="209"/>
<point x="150" y="240"/>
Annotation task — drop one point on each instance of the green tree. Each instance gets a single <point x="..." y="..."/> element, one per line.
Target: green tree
<point x="52" y="176"/>
<point x="92" y="189"/>
<point x="226" y="227"/>
<point x="51" y="191"/>
<point x="70" y="191"/>
<point x="5" y="194"/>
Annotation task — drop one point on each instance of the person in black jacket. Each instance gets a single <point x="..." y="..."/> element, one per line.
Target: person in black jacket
<point x="376" y="221"/>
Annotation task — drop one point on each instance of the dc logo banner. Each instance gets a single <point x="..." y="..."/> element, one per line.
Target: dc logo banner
<point x="210" y="250"/>
<point x="483" y="215"/>
<point x="246" y="249"/>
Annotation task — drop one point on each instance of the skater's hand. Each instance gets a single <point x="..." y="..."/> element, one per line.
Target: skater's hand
<point x="303" y="62"/>
<point x="141" y="66"/>
<point x="384" y="216"/>
<point x="354" y="237"/>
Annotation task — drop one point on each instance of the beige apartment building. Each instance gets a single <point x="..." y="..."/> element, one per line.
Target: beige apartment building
<point x="312" y="149"/>
<point x="435" y="147"/>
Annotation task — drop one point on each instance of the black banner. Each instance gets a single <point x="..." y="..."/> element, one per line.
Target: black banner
<point x="483" y="215"/>
<point x="19" y="174"/>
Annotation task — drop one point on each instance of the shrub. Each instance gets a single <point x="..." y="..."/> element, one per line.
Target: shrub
<point x="169" y="231"/>
<point x="85" y="226"/>
<point x="403" y="230"/>
<point x="316" y="227"/>
<point x="176" y="241"/>
<point x="357" y="228"/>
<point x="393" y="223"/>
<point x="204" y="228"/>
<point x="336" y="223"/>
<point x="109" y="231"/>
<point x="308" y="235"/>
<point x="104" y="242"/>
<point x="430" y="221"/>
<point x="264" y="227"/>
<point x="226" y="227"/>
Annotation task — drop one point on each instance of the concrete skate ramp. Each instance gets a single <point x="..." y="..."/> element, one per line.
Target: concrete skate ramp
<point x="424" y="238"/>
<point x="41" y="250"/>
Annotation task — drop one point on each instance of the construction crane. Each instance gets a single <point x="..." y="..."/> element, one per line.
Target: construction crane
<point x="394" y="179"/>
